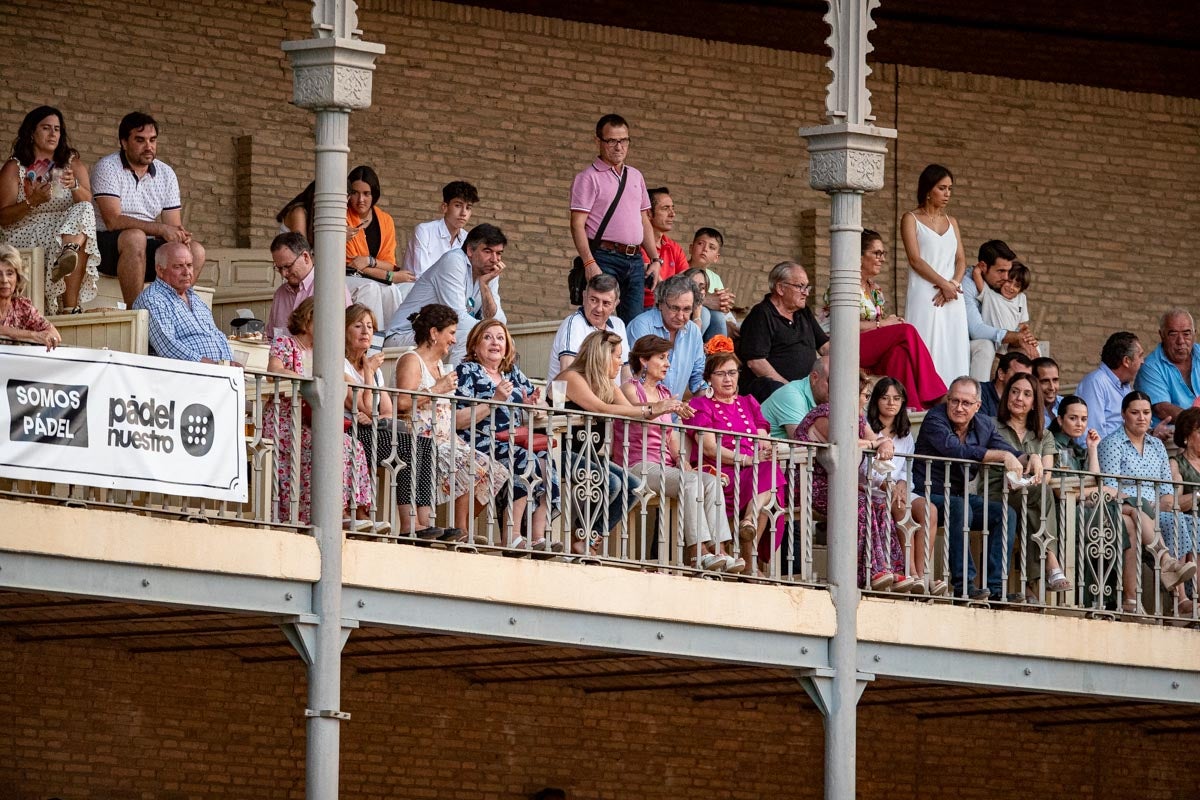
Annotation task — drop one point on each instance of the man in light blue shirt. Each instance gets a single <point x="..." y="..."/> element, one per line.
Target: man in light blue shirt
<point x="995" y="261"/>
<point x="1105" y="387"/>
<point x="1171" y="374"/>
<point x="789" y="405"/>
<point x="671" y="319"/>
<point x="467" y="280"/>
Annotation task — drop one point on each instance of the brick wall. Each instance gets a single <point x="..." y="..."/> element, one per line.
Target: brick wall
<point x="93" y="722"/>
<point x="1095" y="188"/>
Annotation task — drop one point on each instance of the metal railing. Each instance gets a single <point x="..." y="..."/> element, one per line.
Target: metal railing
<point x="539" y="482"/>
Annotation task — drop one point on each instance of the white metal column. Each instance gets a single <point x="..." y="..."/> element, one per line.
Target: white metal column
<point x="332" y="77"/>
<point x="846" y="160"/>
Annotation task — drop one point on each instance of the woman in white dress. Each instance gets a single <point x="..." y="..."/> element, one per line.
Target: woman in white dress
<point x="933" y="245"/>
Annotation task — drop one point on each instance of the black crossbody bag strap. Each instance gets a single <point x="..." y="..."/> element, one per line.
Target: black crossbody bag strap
<point x="595" y="241"/>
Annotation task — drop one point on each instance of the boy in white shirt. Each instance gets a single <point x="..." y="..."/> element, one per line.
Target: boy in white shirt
<point x="1007" y="308"/>
<point x="431" y="240"/>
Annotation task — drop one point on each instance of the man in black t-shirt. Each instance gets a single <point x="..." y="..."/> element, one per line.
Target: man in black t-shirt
<point x="780" y="336"/>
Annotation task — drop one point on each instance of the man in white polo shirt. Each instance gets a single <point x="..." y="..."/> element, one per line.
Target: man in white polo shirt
<point x="137" y="207"/>
<point x="600" y="300"/>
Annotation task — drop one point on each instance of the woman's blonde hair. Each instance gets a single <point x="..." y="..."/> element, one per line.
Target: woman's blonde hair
<point x="595" y="356"/>
<point x="12" y="257"/>
<point x="475" y="338"/>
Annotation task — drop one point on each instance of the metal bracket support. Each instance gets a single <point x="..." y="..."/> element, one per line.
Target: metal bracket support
<point x="301" y="632"/>
<point x="330" y="713"/>
<point x="818" y="685"/>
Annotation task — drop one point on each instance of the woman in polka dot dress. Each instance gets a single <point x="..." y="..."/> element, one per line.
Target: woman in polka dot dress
<point x="46" y="201"/>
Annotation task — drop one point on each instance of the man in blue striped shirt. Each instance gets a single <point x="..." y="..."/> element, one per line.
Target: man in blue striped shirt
<point x="181" y="325"/>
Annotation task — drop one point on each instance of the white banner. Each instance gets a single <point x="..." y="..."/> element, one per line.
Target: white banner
<point x="123" y="421"/>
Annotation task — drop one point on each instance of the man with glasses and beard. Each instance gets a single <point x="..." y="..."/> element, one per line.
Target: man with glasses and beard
<point x="780" y="337"/>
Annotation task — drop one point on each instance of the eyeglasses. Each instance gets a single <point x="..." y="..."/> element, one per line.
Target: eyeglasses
<point x="726" y="373"/>
<point x="959" y="403"/>
<point x="802" y="288"/>
<point x="877" y="253"/>
<point x="679" y="309"/>
<point x="616" y="142"/>
<point x="286" y="267"/>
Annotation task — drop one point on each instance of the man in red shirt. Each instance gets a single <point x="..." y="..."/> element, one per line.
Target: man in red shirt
<point x="662" y="220"/>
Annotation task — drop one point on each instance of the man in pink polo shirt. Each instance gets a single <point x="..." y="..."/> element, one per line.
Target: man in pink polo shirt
<point x="293" y="260"/>
<point x="662" y="220"/>
<point x="617" y="251"/>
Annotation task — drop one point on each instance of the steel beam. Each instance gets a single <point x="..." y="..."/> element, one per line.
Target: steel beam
<point x="153" y="585"/>
<point x="1030" y="674"/>
<point x="469" y="617"/>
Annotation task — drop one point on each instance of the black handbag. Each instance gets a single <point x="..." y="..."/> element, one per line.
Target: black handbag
<point x="577" y="277"/>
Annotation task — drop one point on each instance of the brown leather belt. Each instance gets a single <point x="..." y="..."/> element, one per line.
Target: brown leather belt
<point x="623" y="249"/>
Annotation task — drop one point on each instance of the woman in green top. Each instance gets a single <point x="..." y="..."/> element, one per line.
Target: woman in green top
<point x="1019" y="422"/>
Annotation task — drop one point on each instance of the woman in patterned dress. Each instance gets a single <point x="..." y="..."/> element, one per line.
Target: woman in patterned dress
<point x="46" y="201"/>
<point x="461" y="473"/>
<point x="287" y="358"/>
<point x="880" y="554"/>
<point x="489" y="372"/>
<point x="1132" y="453"/>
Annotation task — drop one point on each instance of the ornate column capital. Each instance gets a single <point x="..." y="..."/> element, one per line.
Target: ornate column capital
<point x="847" y="157"/>
<point x="331" y="73"/>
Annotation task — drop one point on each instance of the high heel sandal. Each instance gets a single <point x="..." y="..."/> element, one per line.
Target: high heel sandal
<point x="67" y="261"/>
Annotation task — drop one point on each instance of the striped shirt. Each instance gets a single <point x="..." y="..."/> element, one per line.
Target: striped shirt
<point x="145" y="198"/>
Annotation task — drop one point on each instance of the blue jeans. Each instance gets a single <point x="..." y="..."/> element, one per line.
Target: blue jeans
<point x="630" y="272"/>
<point x="1001" y="536"/>
<point x="712" y="323"/>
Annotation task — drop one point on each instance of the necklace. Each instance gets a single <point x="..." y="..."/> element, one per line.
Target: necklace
<point x="719" y="410"/>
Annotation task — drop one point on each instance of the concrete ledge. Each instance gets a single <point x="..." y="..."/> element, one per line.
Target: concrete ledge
<point x="596" y="590"/>
<point x="128" y="538"/>
<point x="1013" y="633"/>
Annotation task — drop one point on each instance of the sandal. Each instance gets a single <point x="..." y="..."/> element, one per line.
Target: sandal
<point x="429" y="533"/>
<point x="67" y="261"/>
<point x="902" y="583"/>
<point x="734" y="565"/>
<point x="1058" y="582"/>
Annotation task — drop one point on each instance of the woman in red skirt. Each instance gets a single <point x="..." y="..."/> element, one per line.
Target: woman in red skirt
<point x="887" y="344"/>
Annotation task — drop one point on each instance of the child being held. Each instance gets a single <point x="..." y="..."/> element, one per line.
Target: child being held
<point x="1007" y="308"/>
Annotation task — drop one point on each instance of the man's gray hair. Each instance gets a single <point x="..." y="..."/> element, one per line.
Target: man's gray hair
<point x="779" y="273"/>
<point x="1178" y="311"/>
<point x="675" y="286"/>
<point x="966" y="380"/>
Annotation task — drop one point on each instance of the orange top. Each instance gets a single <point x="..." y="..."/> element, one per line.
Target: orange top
<point x="387" y="237"/>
